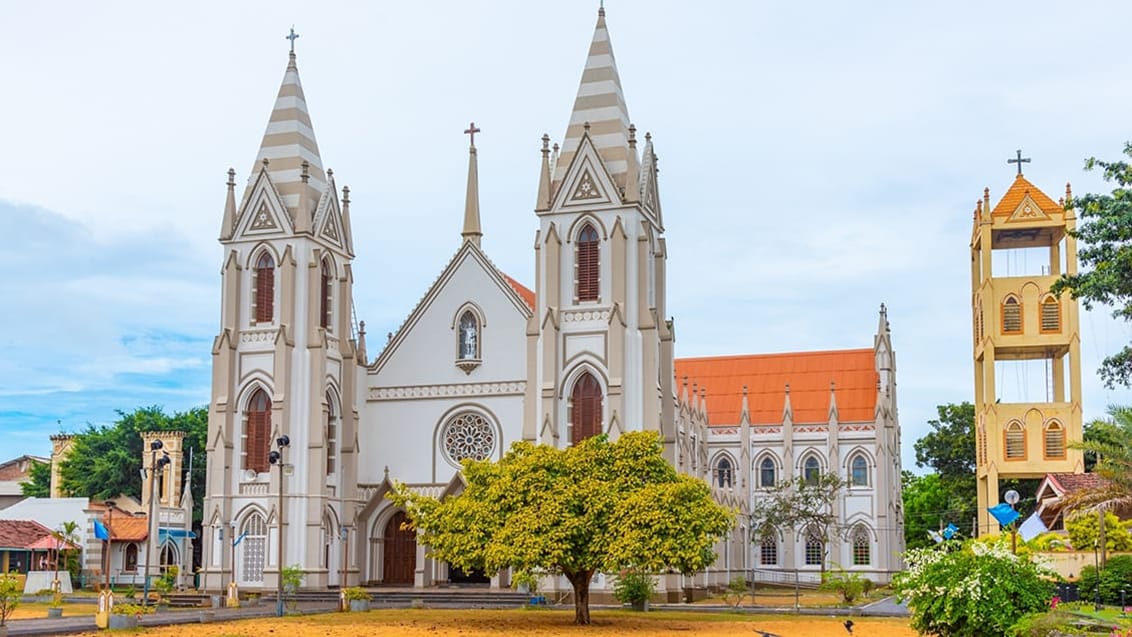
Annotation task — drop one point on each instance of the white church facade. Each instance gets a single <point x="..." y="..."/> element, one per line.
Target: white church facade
<point x="483" y="361"/>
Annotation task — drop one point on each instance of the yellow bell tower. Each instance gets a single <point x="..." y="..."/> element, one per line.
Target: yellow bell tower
<point x="1023" y="427"/>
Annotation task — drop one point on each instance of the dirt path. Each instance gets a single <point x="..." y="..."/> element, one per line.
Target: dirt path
<point x="515" y="623"/>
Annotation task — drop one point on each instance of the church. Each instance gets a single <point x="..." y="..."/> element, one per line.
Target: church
<point x="483" y="360"/>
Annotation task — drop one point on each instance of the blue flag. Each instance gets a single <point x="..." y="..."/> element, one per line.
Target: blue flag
<point x="100" y="532"/>
<point x="237" y="541"/>
<point x="950" y="531"/>
<point x="1004" y="513"/>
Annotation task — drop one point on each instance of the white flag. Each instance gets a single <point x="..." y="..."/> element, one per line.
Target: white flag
<point x="1032" y="527"/>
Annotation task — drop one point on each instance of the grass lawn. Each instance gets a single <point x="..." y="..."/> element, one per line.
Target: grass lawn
<point x="482" y="623"/>
<point x="38" y="610"/>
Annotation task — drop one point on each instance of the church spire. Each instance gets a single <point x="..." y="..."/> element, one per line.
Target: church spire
<point x="600" y="110"/>
<point x="289" y="141"/>
<point x="472" y="230"/>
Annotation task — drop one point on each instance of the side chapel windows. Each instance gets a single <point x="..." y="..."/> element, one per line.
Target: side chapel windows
<point x="767" y="471"/>
<point x="263" y="294"/>
<point x="811" y="470"/>
<point x="587" y="268"/>
<point x="859" y="471"/>
<point x="723" y="472"/>
<point x="585" y="408"/>
<point x="257" y="432"/>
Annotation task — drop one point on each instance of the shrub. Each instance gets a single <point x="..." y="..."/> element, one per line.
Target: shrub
<point x="849" y="585"/>
<point x="355" y="593"/>
<point x="10" y="592"/>
<point x="131" y="609"/>
<point x="1084" y="531"/>
<point x="632" y="585"/>
<point x="1116" y="575"/>
<point x="972" y="589"/>
<point x="735" y="592"/>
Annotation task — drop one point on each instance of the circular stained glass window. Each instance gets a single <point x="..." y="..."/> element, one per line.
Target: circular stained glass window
<point x="468" y="435"/>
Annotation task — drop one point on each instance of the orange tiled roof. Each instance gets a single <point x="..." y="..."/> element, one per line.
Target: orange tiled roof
<point x="525" y="293"/>
<point x="1017" y="192"/>
<point x="766" y="375"/>
<point x="20" y="534"/>
<point x="127" y="529"/>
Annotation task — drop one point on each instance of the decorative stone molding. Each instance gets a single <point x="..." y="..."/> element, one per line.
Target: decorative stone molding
<point x="258" y="337"/>
<point x="253" y="488"/>
<point x="509" y="388"/>
<point x="576" y="316"/>
<point x="468" y="364"/>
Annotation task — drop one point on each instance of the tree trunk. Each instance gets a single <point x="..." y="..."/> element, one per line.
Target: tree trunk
<point x="581" y="583"/>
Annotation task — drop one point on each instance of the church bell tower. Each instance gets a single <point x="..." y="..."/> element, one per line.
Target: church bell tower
<point x="284" y="363"/>
<point x="1023" y="334"/>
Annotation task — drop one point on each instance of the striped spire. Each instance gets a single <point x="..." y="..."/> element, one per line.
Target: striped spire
<point x="288" y="142"/>
<point x="601" y="103"/>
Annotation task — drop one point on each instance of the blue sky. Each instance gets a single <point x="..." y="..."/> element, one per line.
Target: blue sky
<point x="817" y="159"/>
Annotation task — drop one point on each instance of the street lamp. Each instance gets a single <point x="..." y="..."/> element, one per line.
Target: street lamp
<point x="276" y="458"/>
<point x="155" y="465"/>
<point x="1097" y="570"/>
<point x="1012" y="498"/>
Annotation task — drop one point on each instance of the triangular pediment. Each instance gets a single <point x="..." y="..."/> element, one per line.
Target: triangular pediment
<point x="263" y="213"/>
<point x="328" y="220"/>
<point x="587" y="182"/>
<point x="1027" y="210"/>
<point x="469" y="253"/>
<point x="650" y="192"/>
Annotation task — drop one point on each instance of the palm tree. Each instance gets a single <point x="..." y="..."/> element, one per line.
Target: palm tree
<point x="1111" y="445"/>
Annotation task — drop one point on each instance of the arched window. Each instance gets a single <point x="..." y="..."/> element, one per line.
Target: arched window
<point x="327" y="279"/>
<point x="131" y="562"/>
<point x="1015" y="441"/>
<point x="1051" y="315"/>
<point x="1011" y="315"/>
<point x="264" y="293"/>
<point x="585" y="409"/>
<point x="811" y="470"/>
<point x="254" y="544"/>
<point x="862" y="547"/>
<point x="767" y="471"/>
<point x="768" y="551"/>
<point x="469" y="337"/>
<point x="723" y="472"/>
<point x="257" y="432"/>
<point x="859" y="471"/>
<point x="815" y="548"/>
<point x="1053" y="441"/>
<point x="586" y="264"/>
<point x="168" y="557"/>
<point x="331" y="436"/>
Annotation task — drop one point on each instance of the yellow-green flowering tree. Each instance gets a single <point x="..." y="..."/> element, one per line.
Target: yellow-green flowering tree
<point x="596" y="506"/>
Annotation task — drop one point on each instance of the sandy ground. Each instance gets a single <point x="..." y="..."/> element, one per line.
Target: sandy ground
<point x="485" y="623"/>
<point x="38" y="610"/>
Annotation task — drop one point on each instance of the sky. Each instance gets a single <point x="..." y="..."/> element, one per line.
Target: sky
<point x="817" y="159"/>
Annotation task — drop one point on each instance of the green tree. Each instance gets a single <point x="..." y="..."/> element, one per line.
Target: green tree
<point x="104" y="461"/>
<point x="1084" y="531"/>
<point x="802" y="505"/>
<point x="1113" y="453"/>
<point x="972" y="590"/>
<point x="595" y="506"/>
<point x="926" y="506"/>
<point x="1105" y="253"/>
<point x="38" y="484"/>
<point x="948" y="495"/>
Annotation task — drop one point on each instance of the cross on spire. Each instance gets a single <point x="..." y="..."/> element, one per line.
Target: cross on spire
<point x="1020" y="160"/>
<point x="471" y="133"/>
<point x="292" y="37"/>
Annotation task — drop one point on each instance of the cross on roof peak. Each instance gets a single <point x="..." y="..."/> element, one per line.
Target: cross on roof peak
<point x="292" y="37"/>
<point x="1020" y="160"/>
<point x="471" y="133"/>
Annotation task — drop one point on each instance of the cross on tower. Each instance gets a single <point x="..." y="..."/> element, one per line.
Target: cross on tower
<point x="1020" y="160"/>
<point x="292" y="37"/>
<point x="471" y="133"/>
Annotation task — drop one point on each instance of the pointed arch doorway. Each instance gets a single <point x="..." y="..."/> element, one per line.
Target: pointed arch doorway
<point x="399" y="552"/>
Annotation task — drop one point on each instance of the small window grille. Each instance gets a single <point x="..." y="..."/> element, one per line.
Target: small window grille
<point x="1011" y="316"/>
<point x="814" y="549"/>
<point x="1015" y="441"/>
<point x="1051" y="315"/>
<point x="861" y="548"/>
<point x="1054" y="442"/>
<point x="768" y="551"/>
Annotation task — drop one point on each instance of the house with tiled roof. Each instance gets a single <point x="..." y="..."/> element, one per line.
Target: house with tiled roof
<point x="12" y="473"/>
<point x="1055" y="487"/>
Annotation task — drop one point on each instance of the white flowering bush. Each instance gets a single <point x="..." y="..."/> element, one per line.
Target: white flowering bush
<point x="972" y="589"/>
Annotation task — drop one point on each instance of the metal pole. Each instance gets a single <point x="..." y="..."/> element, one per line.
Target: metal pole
<point x="150" y="532"/>
<point x="279" y="599"/>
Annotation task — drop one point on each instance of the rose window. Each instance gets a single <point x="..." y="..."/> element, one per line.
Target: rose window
<point x="468" y="436"/>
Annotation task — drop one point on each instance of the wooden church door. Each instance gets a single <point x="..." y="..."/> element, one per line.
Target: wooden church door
<point x="400" y="551"/>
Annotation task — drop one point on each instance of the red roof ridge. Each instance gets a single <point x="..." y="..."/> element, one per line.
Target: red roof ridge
<point x="523" y="291"/>
<point x="821" y="352"/>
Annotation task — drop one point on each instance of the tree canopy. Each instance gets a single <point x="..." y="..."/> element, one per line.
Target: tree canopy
<point x="1105" y="254"/>
<point x="104" y="461"/>
<point x="948" y="495"/>
<point x="596" y="506"/>
<point x="38" y="484"/>
<point x="799" y="504"/>
<point x="1110" y="444"/>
